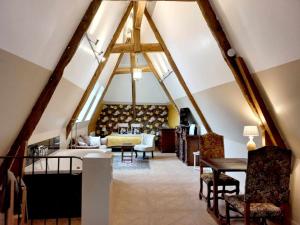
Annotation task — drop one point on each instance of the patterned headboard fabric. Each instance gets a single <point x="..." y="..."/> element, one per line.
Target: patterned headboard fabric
<point x="151" y="118"/>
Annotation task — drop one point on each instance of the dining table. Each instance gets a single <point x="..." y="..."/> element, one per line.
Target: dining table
<point x="222" y="165"/>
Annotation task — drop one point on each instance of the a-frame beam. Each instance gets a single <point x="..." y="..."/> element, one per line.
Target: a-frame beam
<point x="127" y="70"/>
<point x="176" y="71"/>
<point x="45" y="96"/>
<point x="139" y="8"/>
<point x="242" y="75"/>
<point x="154" y="71"/>
<point x="144" y="47"/>
<point x="99" y="69"/>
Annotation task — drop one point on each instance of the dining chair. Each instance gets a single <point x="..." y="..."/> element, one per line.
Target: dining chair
<point x="266" y="188"/>
<point x="212" y="146"/>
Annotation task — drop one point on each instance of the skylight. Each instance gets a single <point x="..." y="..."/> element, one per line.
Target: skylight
<point x="86" y="107"/>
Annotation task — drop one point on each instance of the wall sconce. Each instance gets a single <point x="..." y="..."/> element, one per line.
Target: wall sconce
<point x="251" y="132"/>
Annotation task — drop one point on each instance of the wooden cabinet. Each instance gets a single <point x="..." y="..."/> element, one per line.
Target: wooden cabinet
<point x="186" y="145"/>
<point x="167" y="140"/>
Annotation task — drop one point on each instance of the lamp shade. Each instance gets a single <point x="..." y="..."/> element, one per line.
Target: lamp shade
<point x="250" y="131"/>
<point x="137" y="73"/>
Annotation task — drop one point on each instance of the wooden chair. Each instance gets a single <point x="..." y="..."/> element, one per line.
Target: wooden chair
<point x="212" y="146"/>
<point x="267" y="187"/>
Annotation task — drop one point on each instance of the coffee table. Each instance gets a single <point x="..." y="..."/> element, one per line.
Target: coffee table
<point x="127" y="147"/>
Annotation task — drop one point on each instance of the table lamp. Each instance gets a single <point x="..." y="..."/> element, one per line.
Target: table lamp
<point x="250" y="131"/>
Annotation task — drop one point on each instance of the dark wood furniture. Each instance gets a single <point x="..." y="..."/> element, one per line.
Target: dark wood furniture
<point x="266" y="188"/>
<point x="166" y="142"/>
<point x="212" y="146"/>
<point x="221" y="165"/>
<point x="125" y="148"/>
<point x="186" y="145"/>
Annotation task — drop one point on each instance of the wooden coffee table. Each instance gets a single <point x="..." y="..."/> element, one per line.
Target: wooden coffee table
<point x="127" y="147"/>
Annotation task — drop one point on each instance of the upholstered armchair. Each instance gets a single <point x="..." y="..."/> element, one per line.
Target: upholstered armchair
<point x="267" y="186"/>
<point x="212" y="146"/>
<point x="147" y="145"/>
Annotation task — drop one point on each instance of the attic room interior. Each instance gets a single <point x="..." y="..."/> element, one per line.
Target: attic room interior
<point x="149" y="112"/>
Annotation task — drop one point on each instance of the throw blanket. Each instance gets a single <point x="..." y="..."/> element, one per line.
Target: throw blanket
<point x="120" y="139"/>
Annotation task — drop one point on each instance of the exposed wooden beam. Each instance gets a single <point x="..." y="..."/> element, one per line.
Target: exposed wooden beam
<point x="176" y="71"/>
<point x="241" y="74"/>
<point x="98" y="70"/>
<point x="154" y="71"/>
<point x="127" y="70"/>
<point x="263" y="112"/>
<point x="133" y="86"/>
<point x="144" y="47"/>
<point x="46" y="94"/>
<point x="139" y="8"/>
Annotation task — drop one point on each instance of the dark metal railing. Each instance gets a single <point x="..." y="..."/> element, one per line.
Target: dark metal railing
<point x="51" y="185"/>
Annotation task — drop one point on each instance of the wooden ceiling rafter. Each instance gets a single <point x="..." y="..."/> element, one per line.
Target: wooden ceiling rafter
<point x="99" y="69"/>
<point x="163" y="86"/>
<point x="176" y="71"/>
<point x="242" y="76"/>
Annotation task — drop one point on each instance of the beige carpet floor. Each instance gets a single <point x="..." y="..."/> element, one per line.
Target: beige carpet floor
<point x="165" y="194"/>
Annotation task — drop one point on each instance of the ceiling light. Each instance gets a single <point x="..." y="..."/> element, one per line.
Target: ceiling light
<point x="137" y="73"/>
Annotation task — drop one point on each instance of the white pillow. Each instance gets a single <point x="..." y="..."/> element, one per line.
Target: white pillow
<point x="104" y="141"/>
<point x="94" y="141"/>
<point x="81" y="143"/>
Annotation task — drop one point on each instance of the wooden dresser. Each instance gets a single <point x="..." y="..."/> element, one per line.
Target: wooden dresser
<point x="186" y="145"/>
<point x="166" y="142"/>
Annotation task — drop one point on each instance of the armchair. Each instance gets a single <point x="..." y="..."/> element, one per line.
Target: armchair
<point x="266" y="188"/>
<point x="147" y="145"/>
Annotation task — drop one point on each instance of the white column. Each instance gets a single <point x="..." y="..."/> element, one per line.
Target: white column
<point x="96" y="182"/>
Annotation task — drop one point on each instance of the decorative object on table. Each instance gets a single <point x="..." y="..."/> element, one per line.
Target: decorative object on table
<point x="267" y="186"/>
<point x="151" y="118"/>
<point x="192" y="129"/>
<point x="212" y="146"/>
<point x="147" y="145"/>
<point x="251" y="132"/>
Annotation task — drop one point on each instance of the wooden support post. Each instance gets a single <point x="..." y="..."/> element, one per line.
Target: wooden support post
<point x="176" y="71"/>
<point x="133" y="86"/>
<point x="154" y="71"/>
<point x="242" y="75"/>
<point x="45" y="96"/>
<point x="139" y="7"/>
<point x="98" y="70"/>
